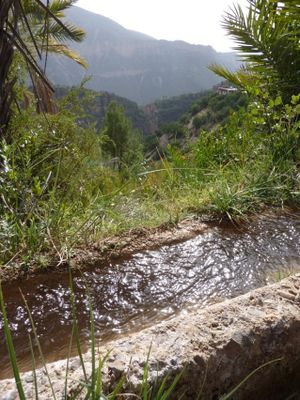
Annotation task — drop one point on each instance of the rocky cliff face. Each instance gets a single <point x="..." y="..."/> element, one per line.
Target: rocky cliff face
<point x="135" y="65"/>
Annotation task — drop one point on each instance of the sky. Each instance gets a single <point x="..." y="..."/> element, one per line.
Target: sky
<point x="194" y="21"/>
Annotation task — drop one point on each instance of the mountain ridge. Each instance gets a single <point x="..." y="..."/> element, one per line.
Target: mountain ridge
<point x="134" y="65"/>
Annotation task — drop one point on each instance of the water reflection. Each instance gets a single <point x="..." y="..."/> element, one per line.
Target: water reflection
<point x="153" y="285"/>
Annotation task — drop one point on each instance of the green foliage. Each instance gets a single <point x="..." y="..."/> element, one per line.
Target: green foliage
<point x="201" y="120"/>
<point x="206" y="112"/>
<point x="173" y="129"/>
<point x="59" y="188"/>
<point x="215" y="109"/>
<point x="52" y="170"/>
<point x="171" y="109"/>
<point x="48" y="21"/>
<point x="120" y="141"/>
<point x="253" y="159"/>
<point x="267" y="38"/>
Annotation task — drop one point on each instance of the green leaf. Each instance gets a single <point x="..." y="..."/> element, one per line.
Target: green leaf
<point x="295" y="99"/>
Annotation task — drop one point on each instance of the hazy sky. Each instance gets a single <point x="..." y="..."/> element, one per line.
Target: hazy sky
<point x="195" y="21"/>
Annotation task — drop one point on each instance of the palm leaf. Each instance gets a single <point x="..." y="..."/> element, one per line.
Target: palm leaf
<point x="33" y="27"/>
<point x="68" y="32"/>
<point x="62" y="49"/>
<point x="59" y="6"/>
<point x="242" y="78"/>
<point x="267" y="39"/>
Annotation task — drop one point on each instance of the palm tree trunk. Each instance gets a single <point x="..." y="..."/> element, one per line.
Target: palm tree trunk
<point x="12" y="17"/>
<point x="6" y="58"/>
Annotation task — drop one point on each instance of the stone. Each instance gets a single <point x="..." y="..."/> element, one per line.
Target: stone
<point x="10" y="395"/>
<point x="74" y="364"/>
<point x="245" y="336"/>
<point x="28" y="377"/>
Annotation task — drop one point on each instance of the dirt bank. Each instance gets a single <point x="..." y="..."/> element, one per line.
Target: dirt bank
<point x="218" y="345"/>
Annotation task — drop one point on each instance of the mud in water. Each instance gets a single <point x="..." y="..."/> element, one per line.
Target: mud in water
<point x="130" y="294"/>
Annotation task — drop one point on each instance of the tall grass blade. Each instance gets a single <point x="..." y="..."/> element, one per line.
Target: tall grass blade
<point x="234" y="390"/>
<point x="93" y="379"/>
<point x="145" y="387"/>
<point x="115" y="393"/>
<point x="171" y="388"/>
<point x="10" y="347"/>
<point x="39" y="345"/>
<point x="68" y="362"/>
<point x="75" y="326"/>
<point x="99" y="386"/>
<point x="36" y="394"/>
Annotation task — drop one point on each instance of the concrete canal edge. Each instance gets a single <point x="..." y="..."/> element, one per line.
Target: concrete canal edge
<point x="216" y="347"/>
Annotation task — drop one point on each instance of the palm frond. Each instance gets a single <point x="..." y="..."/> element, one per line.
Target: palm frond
<point x="58" y="6"/>
<point x="28" y="27"/>
<point x="242" y="78"/>
<point x="68" y="32"/>
<point x="58" y="48"/>
<point x="267" y="38"/>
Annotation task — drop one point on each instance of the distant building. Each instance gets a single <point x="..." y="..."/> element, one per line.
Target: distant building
<point x="226" y="90"/>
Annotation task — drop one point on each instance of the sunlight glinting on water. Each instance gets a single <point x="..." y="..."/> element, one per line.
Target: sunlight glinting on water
<point x="128" y="295"/>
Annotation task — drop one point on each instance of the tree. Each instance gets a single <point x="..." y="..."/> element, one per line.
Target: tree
<point x="50" y="33"/>
<point x="268" y="40"/>
<point x="32" y="28"/>
<point x="121" y="142"/>
<point x="50" y="36"/>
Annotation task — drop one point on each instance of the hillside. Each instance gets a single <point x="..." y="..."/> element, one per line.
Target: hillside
<point x="97" y="105"/>
<point x="179" y="120"/>
<point x="148" y="119"/>
<point x="134" y="65"/>
<point x="170" y="109"/>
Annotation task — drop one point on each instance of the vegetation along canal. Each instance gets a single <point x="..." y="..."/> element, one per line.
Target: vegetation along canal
<point x="129" y="294"/>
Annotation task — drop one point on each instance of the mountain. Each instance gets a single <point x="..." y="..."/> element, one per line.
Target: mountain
<point x="133" y="65"/>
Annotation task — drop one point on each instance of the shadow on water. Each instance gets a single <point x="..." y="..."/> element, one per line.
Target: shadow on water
<point x="151" y="286"/>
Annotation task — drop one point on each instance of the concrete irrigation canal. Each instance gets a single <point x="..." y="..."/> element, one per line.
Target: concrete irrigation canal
<point x="166" y="296"/>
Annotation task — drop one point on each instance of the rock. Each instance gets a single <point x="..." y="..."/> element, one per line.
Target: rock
<point x="58" y="370"/>
<point x="28" y="377"/>
<point x="220" y="344"/>
<point x="10" y="395"/>
<point x="74" y="364"/>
